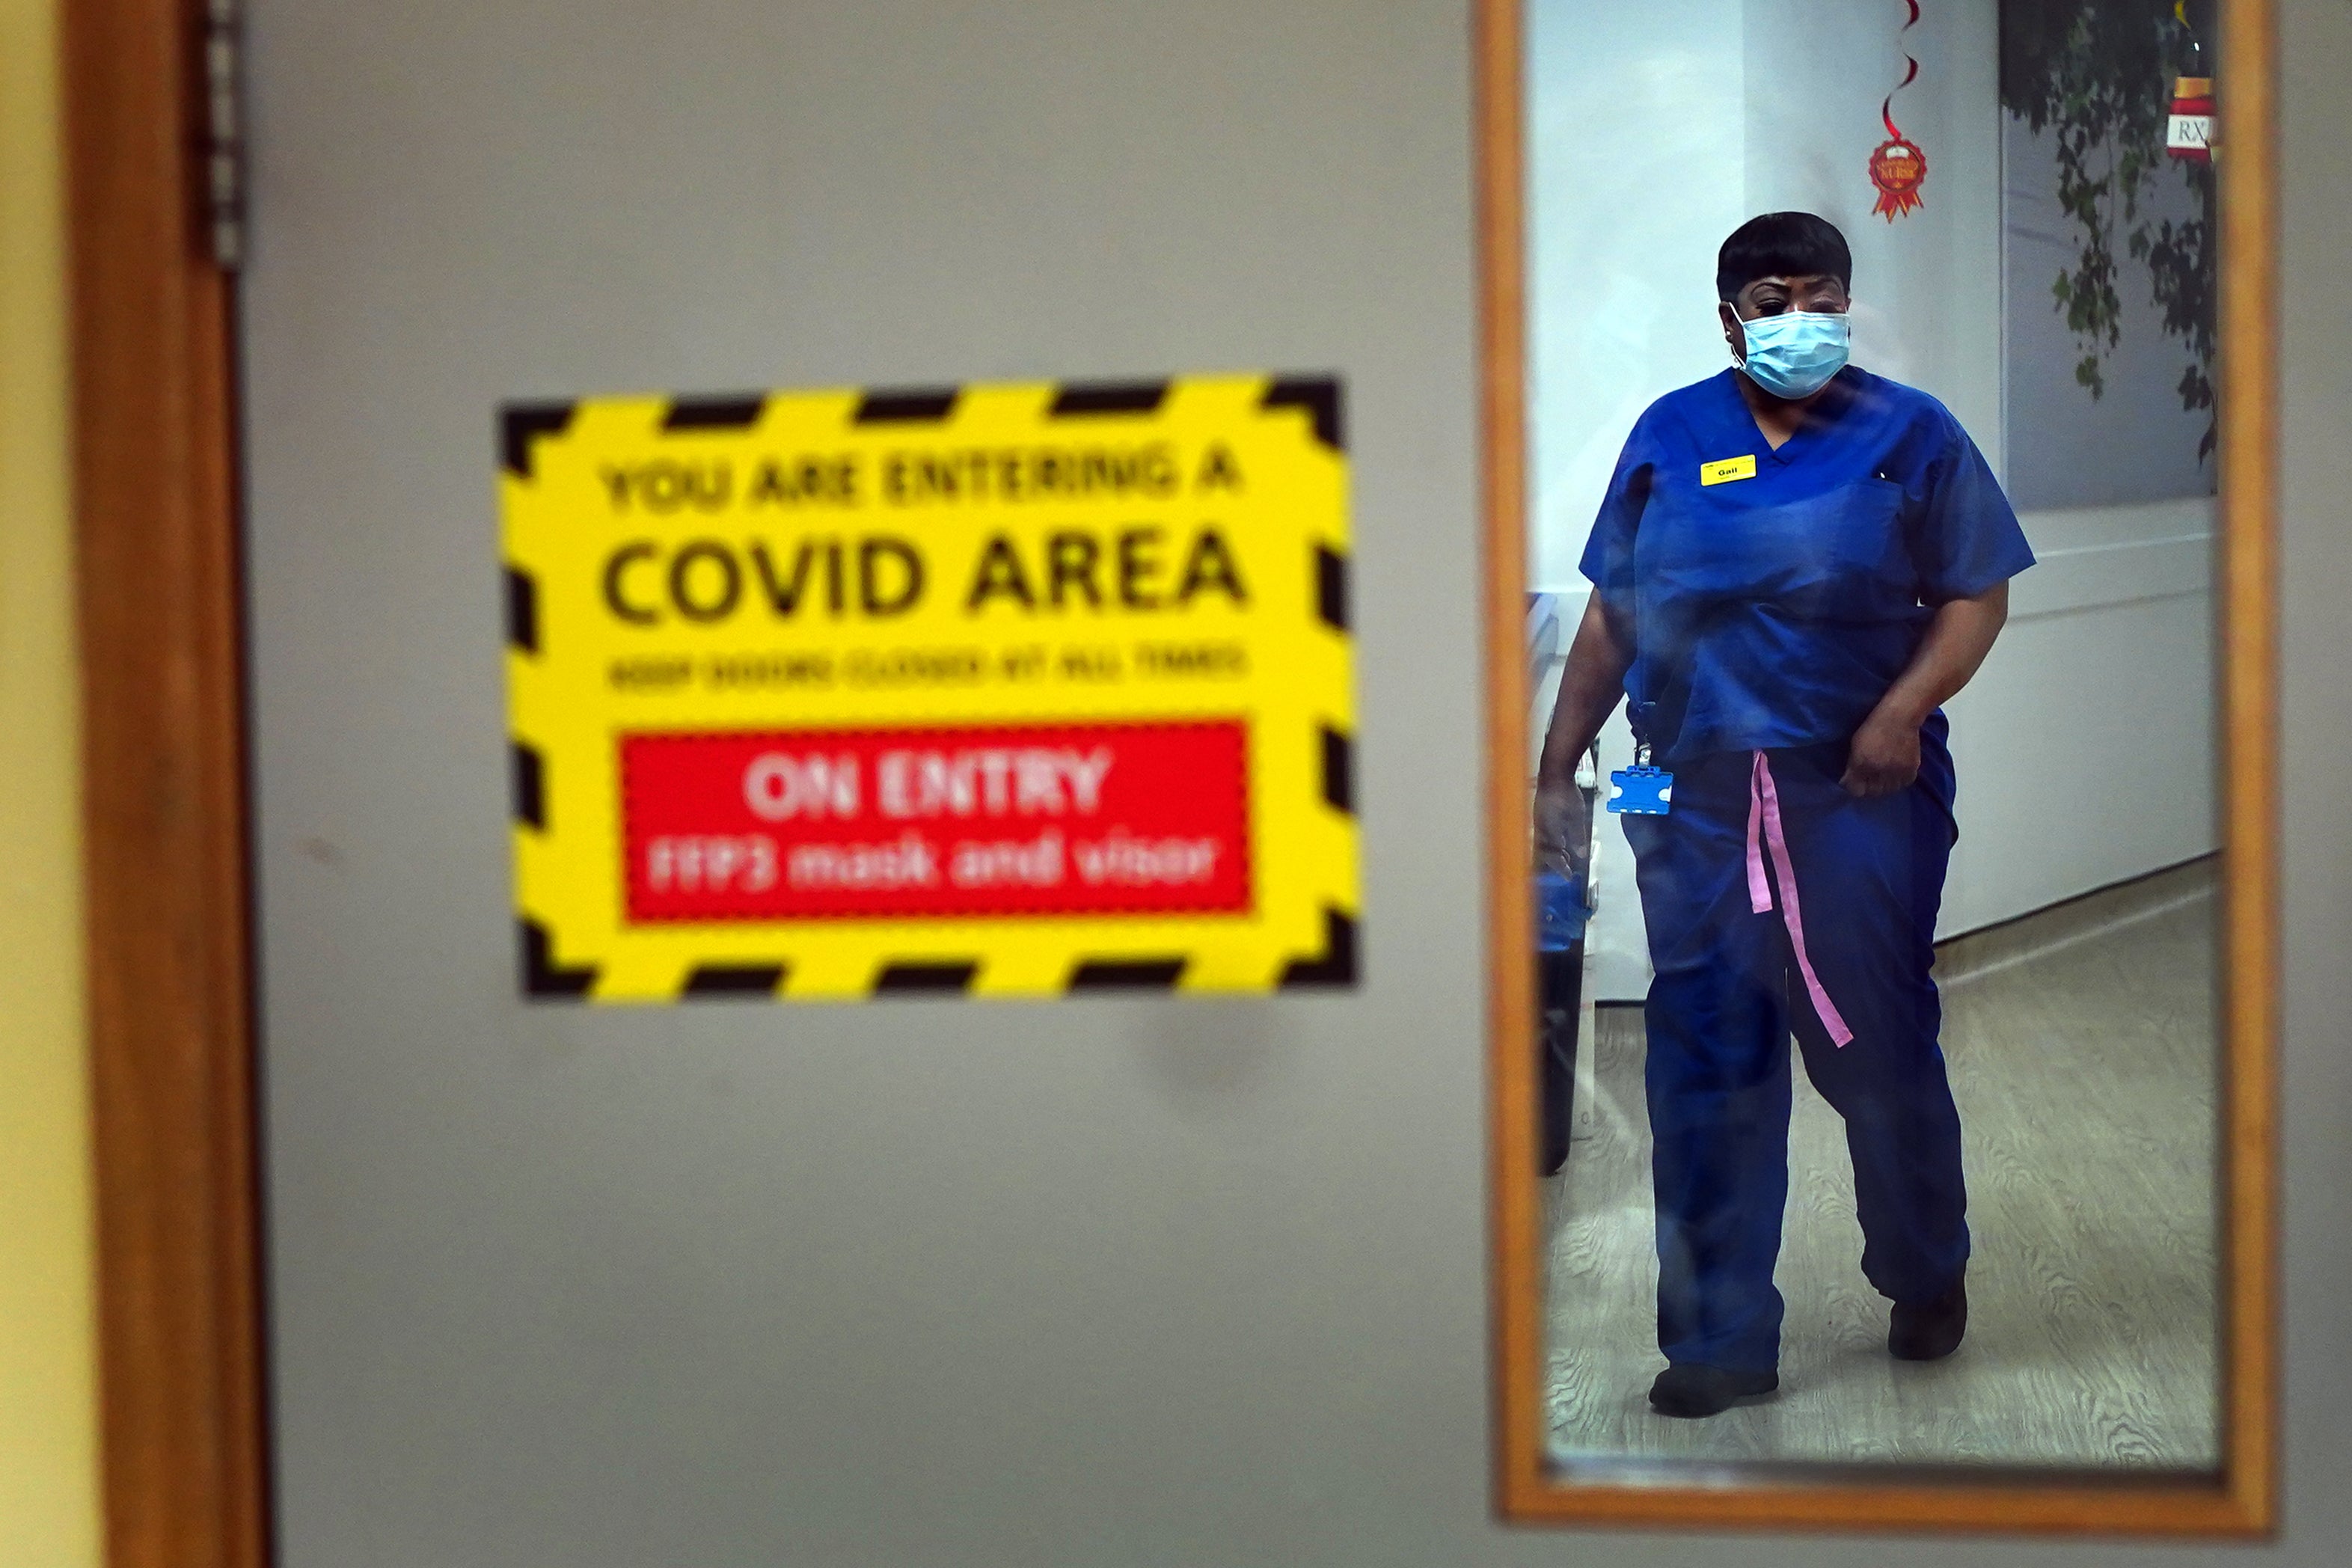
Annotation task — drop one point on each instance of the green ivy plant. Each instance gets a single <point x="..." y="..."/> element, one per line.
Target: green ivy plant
<point x="2097" y="76"/>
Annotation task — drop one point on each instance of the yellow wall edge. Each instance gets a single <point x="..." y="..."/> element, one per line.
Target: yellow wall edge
<point x="48" y="1427"/>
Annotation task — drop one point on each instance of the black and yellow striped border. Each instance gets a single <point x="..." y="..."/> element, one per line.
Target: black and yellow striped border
<point x="544" y="979"/>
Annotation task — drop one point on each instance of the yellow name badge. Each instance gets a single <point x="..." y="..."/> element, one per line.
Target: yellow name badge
<point x="1724" y="470"/>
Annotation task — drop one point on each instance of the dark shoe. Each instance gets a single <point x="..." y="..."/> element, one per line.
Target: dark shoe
<point x="1692" y="1390"/>
<point x="1929" y="1331"/>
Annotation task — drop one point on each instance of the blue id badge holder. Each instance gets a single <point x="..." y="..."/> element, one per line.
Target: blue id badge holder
<point x="1642" y="790"/>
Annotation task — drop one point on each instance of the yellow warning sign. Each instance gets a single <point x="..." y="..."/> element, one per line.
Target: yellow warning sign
<point x="1011" y="689"/>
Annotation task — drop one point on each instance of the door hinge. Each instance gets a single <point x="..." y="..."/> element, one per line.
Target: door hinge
<point x="223" y="173"/>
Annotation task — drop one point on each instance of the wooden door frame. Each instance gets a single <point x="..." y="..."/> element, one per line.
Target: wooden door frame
<point x="180" y="1340"/>
<point x="2241" y="1500"/>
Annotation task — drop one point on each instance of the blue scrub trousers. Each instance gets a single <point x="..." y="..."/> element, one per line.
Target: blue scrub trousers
<point x="1727" y="996"/>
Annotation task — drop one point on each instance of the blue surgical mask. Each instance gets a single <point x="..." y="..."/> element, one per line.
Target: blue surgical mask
<point x="1794" y="354"/>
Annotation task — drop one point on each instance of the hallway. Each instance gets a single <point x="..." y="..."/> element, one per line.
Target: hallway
<point x="2081" y="1051"/>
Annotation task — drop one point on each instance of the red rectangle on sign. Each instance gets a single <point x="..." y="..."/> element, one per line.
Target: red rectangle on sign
<point x="1141" y="818"/>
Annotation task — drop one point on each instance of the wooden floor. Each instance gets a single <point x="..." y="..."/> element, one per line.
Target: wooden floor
<point x="2081" y="1051"/>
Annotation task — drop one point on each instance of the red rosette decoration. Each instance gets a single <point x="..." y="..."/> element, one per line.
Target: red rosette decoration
<point x="1897" y="167"/>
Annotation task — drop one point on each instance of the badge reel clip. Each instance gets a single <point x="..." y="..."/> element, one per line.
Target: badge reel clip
<point x="1642" y="790"/>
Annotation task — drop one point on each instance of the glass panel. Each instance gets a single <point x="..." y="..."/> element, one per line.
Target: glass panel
<point x="1878" y="1050"/>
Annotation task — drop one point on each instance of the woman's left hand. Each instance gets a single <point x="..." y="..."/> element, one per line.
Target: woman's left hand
<point x="1884" y="756"/>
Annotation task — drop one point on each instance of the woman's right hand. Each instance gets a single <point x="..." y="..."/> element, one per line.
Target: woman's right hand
<point x="1591" y="686"/>
<point x="1563" y="829"/>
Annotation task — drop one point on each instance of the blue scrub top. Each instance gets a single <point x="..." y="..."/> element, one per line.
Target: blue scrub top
<point x="1774" y="606"/>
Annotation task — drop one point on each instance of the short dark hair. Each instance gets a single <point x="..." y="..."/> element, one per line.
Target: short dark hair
<point x="1781" y="245"/>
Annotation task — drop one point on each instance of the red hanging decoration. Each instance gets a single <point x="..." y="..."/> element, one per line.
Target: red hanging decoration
<point x="1897" y="167"/>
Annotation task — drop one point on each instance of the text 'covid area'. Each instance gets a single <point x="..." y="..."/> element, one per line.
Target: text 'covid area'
<point x="1145" y="567"/>
<point x="680" y="562"/>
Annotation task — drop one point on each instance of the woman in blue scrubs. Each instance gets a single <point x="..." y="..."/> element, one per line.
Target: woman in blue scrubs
<point x="1797" y="562"/>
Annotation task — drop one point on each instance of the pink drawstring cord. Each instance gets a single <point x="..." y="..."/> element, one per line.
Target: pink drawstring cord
<point x="1764" y="823"/>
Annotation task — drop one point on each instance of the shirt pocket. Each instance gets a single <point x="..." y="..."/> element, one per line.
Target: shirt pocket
<point x="1835" y="557"/>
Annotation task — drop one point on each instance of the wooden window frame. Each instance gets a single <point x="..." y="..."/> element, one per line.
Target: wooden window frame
<point x="2241" y="1498"/>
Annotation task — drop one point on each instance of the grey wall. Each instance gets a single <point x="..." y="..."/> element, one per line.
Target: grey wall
<point x="2316" y="57"/>
<point x="1089" y="1283"/>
